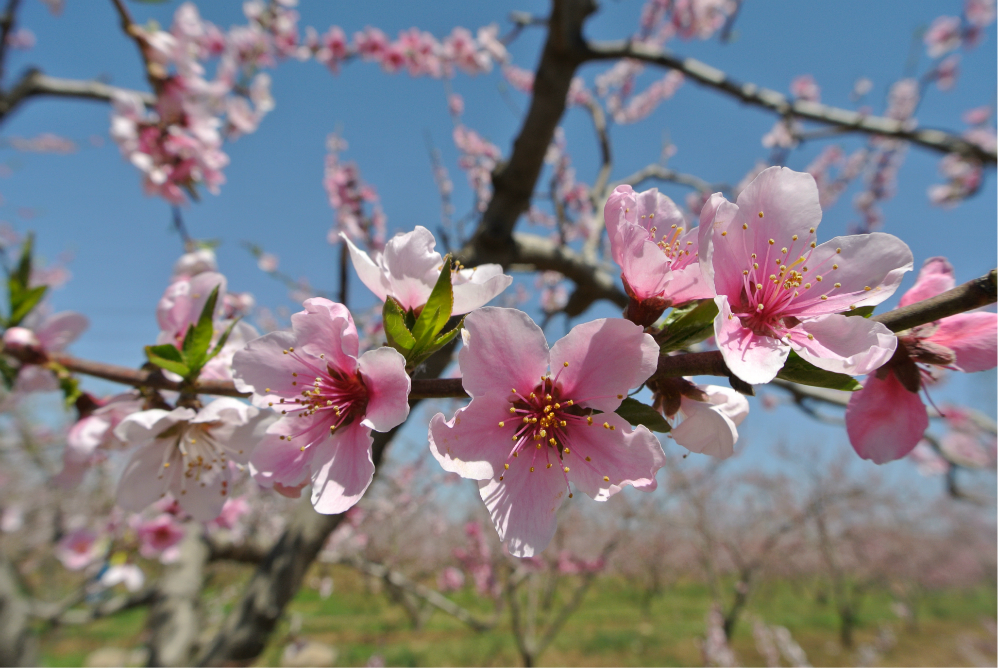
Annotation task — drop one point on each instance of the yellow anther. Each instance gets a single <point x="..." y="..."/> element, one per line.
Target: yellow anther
<point x="807" y="286"/>
<point x="562" y="424"/>
<point x="294" y="373"/>
<point x="835" y="266"/>
<point x="759" y="307"/>
<point x="867" y="288"/>
<point x="794" y="237"/>
<point x="543" y="433"/>
<point x="507" y="466"/>
<point x="566" y="471"/>
<point x="512" y="410"/>
<point x="744" y="272"/>
<point x="811" y="336"/>
<point x="814" y="244"/>
<point x="724" y="234"/>
<point x="606" y="478"/>
<point x="758" y="286"/>
<point x="552" y="441"/>
<point x="771" y="242"/>
<point x="838" y="250"/>
<point x="838" y="285"/>
<point x="811" y="230"/>
<point x="513" y="390"/>
<point x="755" y="265"/>
<point x="550" y="465"/>
<point x="606" y="425"/>
<point x="824" y="297"/>
<point x="502" y="424"/>
<point x="818" y="278"/>
<point x="531" y="469"/>
<point x="589" y="419"/>
<point x="760" y="214"/>
<point x="589" y="459"/>
<point x="567" y="451"/>
<point x="783" y="250"/>
<point x="744" y="226"/>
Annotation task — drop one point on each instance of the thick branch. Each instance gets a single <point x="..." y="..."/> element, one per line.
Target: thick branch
<point x="36" y="84"/>
<point x="514" y="182"/>
<point x="7" y="22"/>
<point x="749" y="93"/>
<point x="174" y="620"/>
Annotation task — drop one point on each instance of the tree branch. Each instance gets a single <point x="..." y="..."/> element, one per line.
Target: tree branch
<point x="749" y="93"/>
<point x="434" y="598"/>
<point x="972" y="294"/>
<point x="514" y="181"/>
<point x="7" y="22"/>
<point x="657" y="172"/>
<point x="174" y="620"/>
<point x="35" y="84"/>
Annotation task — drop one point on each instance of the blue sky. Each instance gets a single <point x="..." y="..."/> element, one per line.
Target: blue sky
<point x="90" y="202"/>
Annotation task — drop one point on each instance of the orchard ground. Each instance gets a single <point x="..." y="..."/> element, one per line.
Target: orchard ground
<point x="950" y="628"/>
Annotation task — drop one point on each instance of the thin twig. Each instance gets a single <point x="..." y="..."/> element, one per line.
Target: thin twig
<point x="750" y="93"/>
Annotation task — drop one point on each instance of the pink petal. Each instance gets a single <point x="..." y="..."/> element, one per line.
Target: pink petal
<point x="143" y="482"/>
<point x="472" y="444"/>
<point x="876" y="261"/>
<point x="202" y="496"/>
<point x="619" y="211"/>
<point x="383" y="371"/>
<point x="344" y="472"/>
<point x="503" y="349"/>
<point x="752" y="357"/>
<point x="973" y="337"/>
<point x="277" y="460"/>
<point x="61" y="329"/>
<point x="705" y="430"/>
<point x="474" y="288"/>
<point x="147" y="425"/>
<point x="262" y="364"/>
<point x="643" y="264"/>
<point x="788" y="200"/>
<point x="935" y="277"/>
<point x="722" y="257"/>
<point x="413" y="266"/>
<point x="598" y="362"/>
<point x="885" y="421"/>
<point x="369" y="273"/>
<point x="705" y="235"/>
<point x="325" y="327"/>
<point x="624" y="456"/>
<point x="844" y="344"/>
<point x="524" y="507"/>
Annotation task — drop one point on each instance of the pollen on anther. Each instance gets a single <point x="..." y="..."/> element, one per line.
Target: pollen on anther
<point x="566" y="363"/>
<point x="606" y="425"/>
<point x="502" y="424"/>
<point x="758" y="286"/>
<point x="724" y="234"/>
<point x="867" y="288"/>
<point x="759" y="307"/>
<point x="811" y="230"/>
<point x="566" y="469"/>
<point x="550" y="465"/>
<point x="810" y="336"/>
<point x="838" y="285"/>
<point x="818" y="278"/>
<point x="606" y="478"/>
<point x="760" y="214"/>
<point x="838" y="250"/>
<point x="744" y="226"/>
<point x="512" y="410"/>
<point x="589" y="419"/>
<point x="794" y="237"/>
<point x="531" y="469"/>
<point x="835" y="266"/>
<point x="755" y="265"/>
<point x="824" y="297"/>
<point x="771" y="242"/>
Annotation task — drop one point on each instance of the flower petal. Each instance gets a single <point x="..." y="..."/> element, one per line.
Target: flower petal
<point x="288" y="460"/>
<point x="844" y="344"/>
<point x="884" y="420"/>
<point x="327" y="328"/>
<point x="752" y="357"/>
<point x="973" y="337"/>
<point x="343" y="470"/>
<point x="370" y="274"/>
<point x="935" y="277"/>
<point x="472" y="444"/>
<point x="147" y="425"/>
<point x="142" y="482"/>
<point x="476" y="287"/>
<point x="412" y="265"/>
<point x="876" y="261"/>
<point x="503" y="349"/>
<point x="598" y="362"/>
<point x="59" y="330"/>
<point x="524" y="508"/>
<point x="625" y="456"/>
<point x="263" y="365"/>
<point x="383" y="371"/>
<point x="705" y="429"/>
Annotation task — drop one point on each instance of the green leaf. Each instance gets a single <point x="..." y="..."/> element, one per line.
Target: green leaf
<point x="166" y="356"/>
<point x="8" y="373"/>
<point x="687" y="324"/>
<point x="22" y="304"/>
<point x="221" y="340"/>
<point x="864" y="311"/>
<point x="23" y="273"/>
<point x="798" y="370"/>
<point x="70" y="387"/>
<point x="637" y="413"/>
<point x="198" y="337"/>
<point x="424" y="353"/>
<point x="437" y="310"/>
<point x="398" y="335"/>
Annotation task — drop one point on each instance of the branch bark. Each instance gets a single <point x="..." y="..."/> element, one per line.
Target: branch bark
<point x="750" y="93"/>
<point x="36" y="84"/>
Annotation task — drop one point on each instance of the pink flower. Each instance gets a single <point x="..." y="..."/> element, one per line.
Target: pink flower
<point x="886" y="419"/>
<point x="187" y="453"/>
<point x="710" y="427"/>
<point x="196" y="262"/>
<point x="331" y="400"/>
<point x="778" y="290"/>
<point x="409" y="268"/>
<point x="158" y="535"/>
<point x="450" y="579"/>
<point x="944" y="35"/>
<point x="182" y="303"/>
<point x="928" y="461"/>
<point x="805" y="87"/>
<point x="658" y="257"/>
<point x="78" y="549"/>
<point x="43" y="334"/>
<point x="94" y="433"/>
<point x="528" y="433"/>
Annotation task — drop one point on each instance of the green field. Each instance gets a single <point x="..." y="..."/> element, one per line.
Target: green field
<point x="608" y="629"/>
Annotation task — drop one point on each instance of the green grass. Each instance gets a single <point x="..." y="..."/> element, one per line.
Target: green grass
<point x="608" y="629"/>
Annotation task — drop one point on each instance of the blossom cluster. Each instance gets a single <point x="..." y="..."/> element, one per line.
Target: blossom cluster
<point x="543" y="422"/>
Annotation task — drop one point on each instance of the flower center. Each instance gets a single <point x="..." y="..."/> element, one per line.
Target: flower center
<point x="672" y="246"/>
<point x="336" y="396"/>
<point x="195" y="454"/>
<point x="543" y="422"/>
